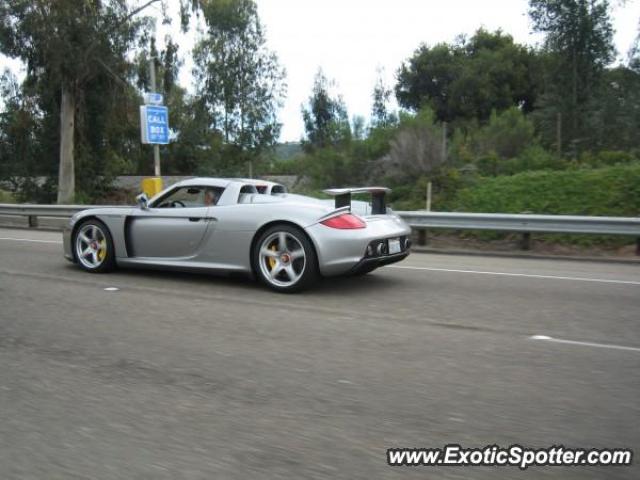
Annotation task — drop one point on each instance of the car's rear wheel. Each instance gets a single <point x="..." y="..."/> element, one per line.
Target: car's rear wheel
<point x="93" y="247"/>
<point x="284" y="259"/>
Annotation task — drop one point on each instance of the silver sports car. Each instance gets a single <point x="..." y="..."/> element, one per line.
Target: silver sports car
<point x="228" y="225"/>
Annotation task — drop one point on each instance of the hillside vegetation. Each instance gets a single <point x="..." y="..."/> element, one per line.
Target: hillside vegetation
<point x="611" y="191"/>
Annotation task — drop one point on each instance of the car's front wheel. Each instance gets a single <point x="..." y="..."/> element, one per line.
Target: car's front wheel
<point x="93" y="247"/>
<point x="284" y="259"/>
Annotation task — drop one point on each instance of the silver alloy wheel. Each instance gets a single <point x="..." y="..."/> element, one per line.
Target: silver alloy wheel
<point x="282" y="259"/>
<point x="91" y="246"/>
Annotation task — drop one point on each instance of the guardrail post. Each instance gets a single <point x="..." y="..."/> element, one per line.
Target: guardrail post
<point x="33" y="221"/>
<point x="422" y="237"/>
<point x="638" y="246"/>
<point x="525" y="244"/>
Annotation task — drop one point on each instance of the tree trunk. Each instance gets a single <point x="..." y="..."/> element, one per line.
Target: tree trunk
<point x="66" y="175"/>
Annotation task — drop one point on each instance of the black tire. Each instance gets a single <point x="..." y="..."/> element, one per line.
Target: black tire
<point x="102" y="257"/>
<point x="305" y="272"/>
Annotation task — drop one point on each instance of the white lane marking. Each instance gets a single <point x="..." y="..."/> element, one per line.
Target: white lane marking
<point x="111" y="289"/>
<point x="584" y="344"/>
<point x="33" y="240"/>
<point x="529" y="275"/>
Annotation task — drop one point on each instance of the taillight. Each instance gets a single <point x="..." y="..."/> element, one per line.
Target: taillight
<point x="346" y="221"/>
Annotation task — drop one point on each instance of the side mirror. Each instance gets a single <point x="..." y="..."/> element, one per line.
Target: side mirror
<point x="143" y="201"/>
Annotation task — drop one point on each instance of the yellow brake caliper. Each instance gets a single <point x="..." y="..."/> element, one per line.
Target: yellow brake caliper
<point x="102" y="250"/>
<point x="272" y="261"/>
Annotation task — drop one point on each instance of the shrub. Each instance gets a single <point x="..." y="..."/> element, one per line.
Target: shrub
<point x="607" y="158"/>
<point x="603" y="191"/>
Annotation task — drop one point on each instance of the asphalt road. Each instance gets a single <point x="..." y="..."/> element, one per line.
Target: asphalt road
<point x="194" y="376"/>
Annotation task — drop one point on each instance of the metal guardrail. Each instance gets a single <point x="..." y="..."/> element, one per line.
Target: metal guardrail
<point x="524" y="222"/>
<point x="422" y="221"/>
<point x="25" y="209"/>
<point x="32" y="212"/>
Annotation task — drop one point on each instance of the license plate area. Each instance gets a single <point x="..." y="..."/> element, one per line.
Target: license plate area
<point x="394" y="246"/>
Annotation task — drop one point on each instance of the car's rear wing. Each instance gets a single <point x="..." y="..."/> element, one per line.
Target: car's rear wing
<point x="343" y="197"/>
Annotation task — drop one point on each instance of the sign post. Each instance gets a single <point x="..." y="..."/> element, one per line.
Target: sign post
<point x="154" y="120"/>
<point x="154" y="130"/>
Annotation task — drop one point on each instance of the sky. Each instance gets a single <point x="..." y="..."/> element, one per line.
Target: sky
<point x="352" y="40"/>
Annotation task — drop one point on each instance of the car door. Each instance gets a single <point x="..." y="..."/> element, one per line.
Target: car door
<point x="173" y="227"/>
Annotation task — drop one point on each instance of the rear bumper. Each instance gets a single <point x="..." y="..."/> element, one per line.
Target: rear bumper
<point x="368" y="264"/>
<point x="341" y="251"/>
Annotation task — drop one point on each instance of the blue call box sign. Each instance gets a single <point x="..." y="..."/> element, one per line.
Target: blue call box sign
<point x="154" y="124"/>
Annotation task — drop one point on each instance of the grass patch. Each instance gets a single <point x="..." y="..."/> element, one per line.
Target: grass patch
<point x="6" y="197"/>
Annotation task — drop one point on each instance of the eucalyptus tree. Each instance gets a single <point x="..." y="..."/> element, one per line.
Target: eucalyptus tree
<point x="381" y="117"/>
<point x="66" y="45"/>
<point x="579" y="44"/>
<point x="238" y="79"/>
<point x="20" y="132"/>
<point x="326" y="121"/>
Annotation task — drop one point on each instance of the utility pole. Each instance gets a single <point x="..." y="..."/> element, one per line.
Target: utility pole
<point x="156" y="147"/>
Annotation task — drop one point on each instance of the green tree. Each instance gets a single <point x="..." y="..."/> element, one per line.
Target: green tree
<point x="326" y="122"/>
<point x="468" y="79"/>
<point x="69" y="44"/>
<point x="505" y="145"/>
<point x="615" y="119"/>
<point x="358" y="123"/>
<point x="507" y="134"/>
<point x="579" y="40"/>
<point x="240" y="81"/>
<point x="20" y="133"/>
<point x="380" y="114"/>
<point x="634" y="54"/>
<point x="188" y="117"/>
<point x="167" y="64"/>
